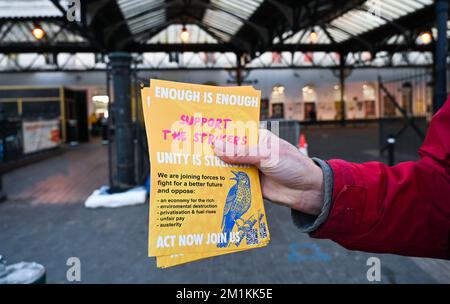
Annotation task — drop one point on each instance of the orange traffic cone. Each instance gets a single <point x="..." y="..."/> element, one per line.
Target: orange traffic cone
<point x="303" y="145"/>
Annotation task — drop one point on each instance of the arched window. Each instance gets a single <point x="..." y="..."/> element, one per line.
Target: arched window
<point x="369" y="98"/>
<point x="309" y="93"/>
<point x="277" y="100"/>
<point x="368" y="91"/>
<point x="309" y="97"/>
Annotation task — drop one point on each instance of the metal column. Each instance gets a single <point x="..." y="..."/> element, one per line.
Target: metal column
<point x="120" y="69"/>
<point x="3" y="196"/>
<point x="342" y="87"/>
<point x="440" y="56"/>
<point x="238" y="70"/>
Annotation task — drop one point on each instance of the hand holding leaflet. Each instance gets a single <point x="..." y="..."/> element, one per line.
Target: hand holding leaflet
<point x="201" y="206"/>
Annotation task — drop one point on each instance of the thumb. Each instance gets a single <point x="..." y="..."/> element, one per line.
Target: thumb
<point x="253" y="155"/>
<point x="232" y="154"/>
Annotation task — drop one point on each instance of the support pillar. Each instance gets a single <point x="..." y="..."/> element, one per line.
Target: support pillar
<point x="342" y="77"/>
<point x="440" y="55"/>
<point x="121" y="71"/>
<point x="239" y="70"/>
<point x="3" y="196"/>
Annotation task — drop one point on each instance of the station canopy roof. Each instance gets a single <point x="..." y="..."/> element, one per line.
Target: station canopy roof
<point x="28" y="8"/>
<point x="249" y="28"/>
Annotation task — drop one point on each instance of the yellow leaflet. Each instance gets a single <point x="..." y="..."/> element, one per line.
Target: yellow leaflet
<point x="190" y="186"/>
<point x="178" y="259"/>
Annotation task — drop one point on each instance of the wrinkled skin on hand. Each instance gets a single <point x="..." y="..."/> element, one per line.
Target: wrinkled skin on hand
<point x="287" y="176"/>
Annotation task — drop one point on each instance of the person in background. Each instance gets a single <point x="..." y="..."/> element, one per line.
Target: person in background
<point x="93" y="124"/>
<point x="403" y="209"/>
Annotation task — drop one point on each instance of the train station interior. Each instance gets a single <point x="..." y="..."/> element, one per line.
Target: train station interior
<point x="357" y="80"/>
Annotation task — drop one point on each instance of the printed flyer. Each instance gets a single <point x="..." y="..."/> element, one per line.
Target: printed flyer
<point x="201" y="206"/>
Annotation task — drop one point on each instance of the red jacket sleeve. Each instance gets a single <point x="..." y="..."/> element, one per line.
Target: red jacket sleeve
<point x="403" y="209"/>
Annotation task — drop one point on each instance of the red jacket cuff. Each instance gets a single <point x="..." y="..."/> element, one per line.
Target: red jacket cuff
<point x="347" y="204"/>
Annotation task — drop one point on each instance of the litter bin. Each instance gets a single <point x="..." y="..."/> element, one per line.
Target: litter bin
<point x="105" y="130"/>
<point x="3" y="195"/>
<point x="10" y="140"/>
<point x="72" y="132"/>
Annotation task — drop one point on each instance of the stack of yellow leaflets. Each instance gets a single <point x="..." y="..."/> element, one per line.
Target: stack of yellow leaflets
<point x="201" y="206"/>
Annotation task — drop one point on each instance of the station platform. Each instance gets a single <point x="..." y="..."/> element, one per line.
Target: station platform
<point x="44" y="220"/>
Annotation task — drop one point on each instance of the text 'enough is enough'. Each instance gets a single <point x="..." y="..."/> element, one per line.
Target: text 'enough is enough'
<point x="196" y="96"/>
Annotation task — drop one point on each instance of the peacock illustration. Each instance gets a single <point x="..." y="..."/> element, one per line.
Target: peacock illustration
<point x="238" y="202"/>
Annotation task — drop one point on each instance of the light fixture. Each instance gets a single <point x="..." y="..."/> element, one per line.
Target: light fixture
<point x="278" y="89"/>
<point x="38" y="32"/>
<point x="313" y="36"/>
<point x="308" y="89"/>
<point x="426" y="37"/>
<point x="100" y="98"/>
<point x="184" y="35"/>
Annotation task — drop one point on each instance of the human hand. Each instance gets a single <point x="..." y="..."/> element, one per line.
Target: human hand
<point x="287" y="176"/>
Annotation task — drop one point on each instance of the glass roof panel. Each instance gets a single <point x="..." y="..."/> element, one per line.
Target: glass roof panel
<point x="29" y="8"/>
<point x="370" y="15"/>
<point x="222" y="21"/>
<point x="228" y="16"/>
<point x="142" y="15"/>
<point x="241" y="8"/>
<point x="373" y="14"/>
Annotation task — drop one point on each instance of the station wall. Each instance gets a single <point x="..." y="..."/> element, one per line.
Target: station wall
<point x="299" y="86"/>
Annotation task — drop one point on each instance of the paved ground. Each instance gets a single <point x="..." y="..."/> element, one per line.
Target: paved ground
<point x="44" y="220"/>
